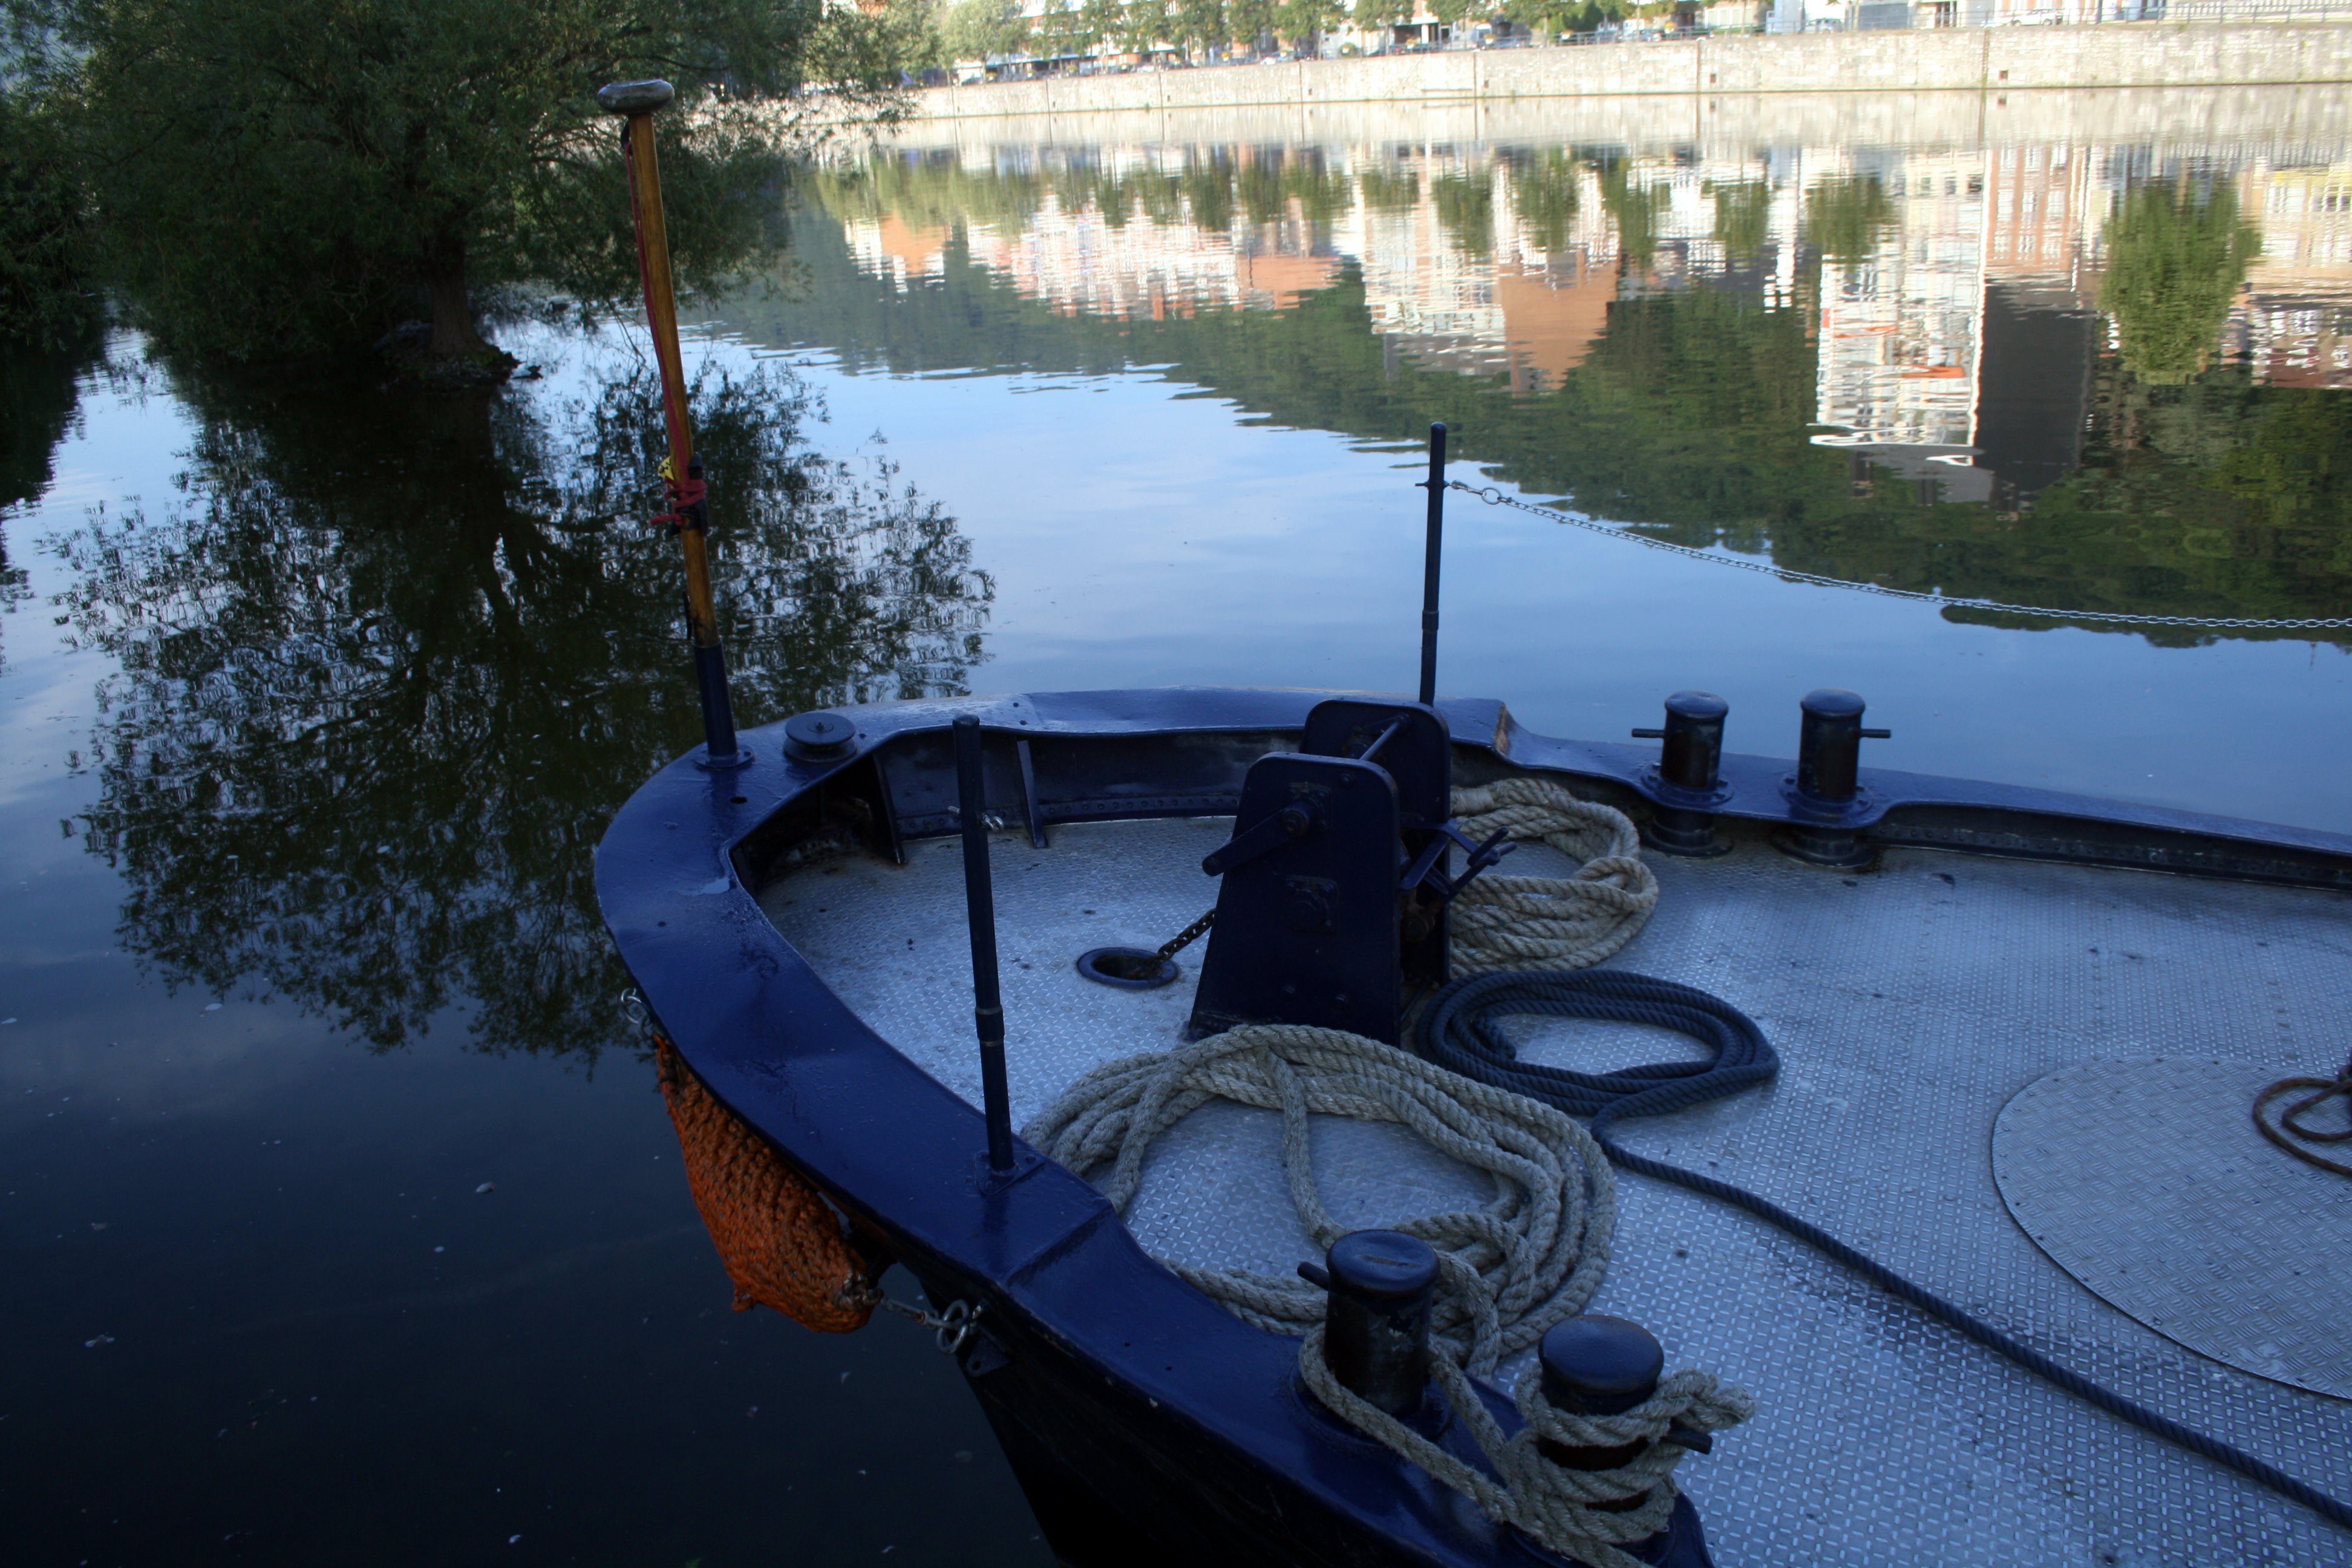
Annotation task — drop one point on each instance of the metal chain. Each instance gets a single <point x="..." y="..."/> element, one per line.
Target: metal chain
<point x="1493" y="496"/>
<point x="949" y="1328"/>
<point x="1185" y="938"/>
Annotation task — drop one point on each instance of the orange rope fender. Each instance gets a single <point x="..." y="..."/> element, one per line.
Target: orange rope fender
<point x="782" y="1245"/>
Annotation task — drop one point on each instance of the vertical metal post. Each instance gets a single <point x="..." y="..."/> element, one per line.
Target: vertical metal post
<point x="980" y="905"/>
<point x="1429" y="566"/>
<point x="638" y="100"/>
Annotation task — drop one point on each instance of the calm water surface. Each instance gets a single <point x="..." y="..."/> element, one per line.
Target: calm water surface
<point x="341" y="1215"/>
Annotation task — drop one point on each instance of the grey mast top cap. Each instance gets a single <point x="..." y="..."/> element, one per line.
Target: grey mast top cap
<point x="634" y="96"/>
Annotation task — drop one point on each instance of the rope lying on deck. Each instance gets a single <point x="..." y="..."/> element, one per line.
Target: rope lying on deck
<point x="1532" y="1255"/>
<point x="1549" y="922"/>
<point x="1462" y="1028"/>
<point x="2291" y="1132"/>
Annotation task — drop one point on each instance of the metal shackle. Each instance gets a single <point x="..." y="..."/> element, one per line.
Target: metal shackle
<point x="1379" y="1287"/>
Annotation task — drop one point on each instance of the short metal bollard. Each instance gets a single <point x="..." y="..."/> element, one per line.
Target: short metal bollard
<point x="1379" y="1286"/>
<point x="818" y="734"/>
<point x="1599" y="1366"/>
<point x="1828" y="778"/>
<point x="1689" y="773"/>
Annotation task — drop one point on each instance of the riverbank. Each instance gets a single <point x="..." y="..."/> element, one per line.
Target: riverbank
<point x="2311" y="121"/>
<point x="1995" y="61"/>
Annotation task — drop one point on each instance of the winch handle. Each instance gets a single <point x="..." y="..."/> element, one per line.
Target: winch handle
<point x="1425" y="871"/>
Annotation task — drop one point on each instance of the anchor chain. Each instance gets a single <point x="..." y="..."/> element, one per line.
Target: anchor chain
<point x="1185" y="938"/>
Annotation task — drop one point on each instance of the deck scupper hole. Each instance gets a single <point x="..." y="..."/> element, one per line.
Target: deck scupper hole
<point x="1128" y="968"/>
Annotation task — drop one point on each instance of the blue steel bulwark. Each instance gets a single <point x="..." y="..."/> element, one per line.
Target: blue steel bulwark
<point x="1147" y="1422"/>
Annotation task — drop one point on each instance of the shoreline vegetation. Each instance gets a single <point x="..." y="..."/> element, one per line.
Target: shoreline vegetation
<point x="277" y="184"/>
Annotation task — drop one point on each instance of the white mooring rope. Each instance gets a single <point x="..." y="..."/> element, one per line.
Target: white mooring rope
<point x="1532" y="1255"/>
<point x="1549" y="922"/>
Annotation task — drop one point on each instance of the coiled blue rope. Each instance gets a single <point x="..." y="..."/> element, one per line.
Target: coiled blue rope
<point x="1462" y="1030"/>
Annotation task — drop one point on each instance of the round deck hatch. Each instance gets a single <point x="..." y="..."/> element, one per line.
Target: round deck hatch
<point x="2147" y="1181"/>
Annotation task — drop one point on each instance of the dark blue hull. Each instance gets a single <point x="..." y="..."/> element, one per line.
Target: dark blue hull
<point x="1146" y="1422"/>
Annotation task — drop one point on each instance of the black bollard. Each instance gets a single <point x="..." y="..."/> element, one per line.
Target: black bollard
<point x="1829" y="745"/>
<point x="1598" y="1365"/>
<point x="980" y="908"/>
<point x="1379" y="1285"/>
<point x="1828" y="780"/>
<point x="1689" y="765"/>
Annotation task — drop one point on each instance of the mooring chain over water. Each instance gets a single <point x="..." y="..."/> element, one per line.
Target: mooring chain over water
<point x="1529" y="1257"/>
<point x="1493" y="496"/>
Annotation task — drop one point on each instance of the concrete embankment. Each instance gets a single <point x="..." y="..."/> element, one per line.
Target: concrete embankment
<point x="2296" y="124"/>
<point x="1989" y="60"/>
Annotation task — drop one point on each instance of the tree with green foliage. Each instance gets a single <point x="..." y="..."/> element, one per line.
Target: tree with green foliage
<point x="1550" y="16"/>
<point x="47" y="298"/>
<point x="1254" y="22"/>
<point x="1200" y="24"/>
<point x="1061" y="30"/>
<point x="281" y="178"/>
<point x="2176" y="259"/>
<point x="1101" y="23"/>
<point x="1304" y="22"/>
<point x="984" y="29"/>
<point x="1142" y="25"/>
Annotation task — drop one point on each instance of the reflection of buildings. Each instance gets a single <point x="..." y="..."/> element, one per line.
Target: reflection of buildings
<point x="2297" y="310"/>
<point x="1079" y="261"/>
<point x="1491" y="302"/>
<point x="1900" y="326"/>
<point x="1957" y="329"/>
<point x="2041" y="336"/>
<point x="891" y="249"/>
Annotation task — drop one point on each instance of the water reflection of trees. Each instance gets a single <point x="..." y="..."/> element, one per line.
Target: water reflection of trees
<point x="1691" y="417"/>
<point x="385" y="674"/>
<point x="2176" y="256"/>
<point x="37" y="402"/>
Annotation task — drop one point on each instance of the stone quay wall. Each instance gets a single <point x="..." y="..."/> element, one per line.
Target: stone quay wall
<point x="1993" y="60"/>
<point x="2297" y="124"/>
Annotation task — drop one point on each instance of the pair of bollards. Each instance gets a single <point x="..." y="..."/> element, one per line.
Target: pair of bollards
<point x="1824" y="788"/>
<point x="1379" y="1288"/>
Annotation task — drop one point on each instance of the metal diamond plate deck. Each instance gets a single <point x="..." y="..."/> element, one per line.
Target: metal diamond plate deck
<point x="2149" y="1182"/>
<point x="1909" y="1005"/>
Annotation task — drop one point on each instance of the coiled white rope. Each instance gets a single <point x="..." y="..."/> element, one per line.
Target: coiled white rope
<point x="1530" y="1257"/>
<point x="1549" y="922"/>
